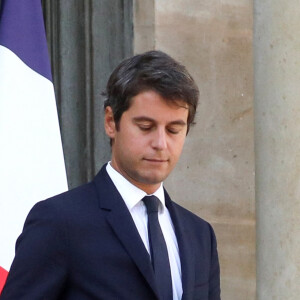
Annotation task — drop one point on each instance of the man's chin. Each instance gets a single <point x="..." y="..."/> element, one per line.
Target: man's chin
<point x="153" y="179"/>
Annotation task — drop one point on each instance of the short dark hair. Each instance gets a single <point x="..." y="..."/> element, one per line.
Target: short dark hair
<point x="152" y="70"/>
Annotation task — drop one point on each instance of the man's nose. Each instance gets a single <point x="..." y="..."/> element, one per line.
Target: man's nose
<point x="159" y="141"/>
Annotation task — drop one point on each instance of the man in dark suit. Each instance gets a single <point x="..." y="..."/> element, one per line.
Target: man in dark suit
<point x="121" y="236"/>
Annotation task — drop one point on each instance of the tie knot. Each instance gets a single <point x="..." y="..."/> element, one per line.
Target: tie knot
<point x="151" y="203"/>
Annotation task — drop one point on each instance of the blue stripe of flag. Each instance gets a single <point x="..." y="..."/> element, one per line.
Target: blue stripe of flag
<point x="22" y="30"/>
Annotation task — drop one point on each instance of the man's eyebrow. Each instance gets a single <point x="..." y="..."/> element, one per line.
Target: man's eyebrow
<point x="178" y="122"/>
<point x="147" y="119"/>
<point x="143" y="118"/>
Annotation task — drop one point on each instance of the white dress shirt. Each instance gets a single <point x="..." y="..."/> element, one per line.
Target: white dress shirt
<point x="132" y="197"/>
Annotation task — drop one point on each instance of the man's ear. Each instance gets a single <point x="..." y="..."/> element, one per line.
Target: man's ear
<point x="109" y="122"/>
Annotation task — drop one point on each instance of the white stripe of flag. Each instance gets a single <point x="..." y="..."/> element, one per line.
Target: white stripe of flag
<point x="31" y="157"/>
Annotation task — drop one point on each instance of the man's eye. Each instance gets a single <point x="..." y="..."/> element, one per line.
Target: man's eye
<point x="144" y="127"/>
<point x="173" y="130"/>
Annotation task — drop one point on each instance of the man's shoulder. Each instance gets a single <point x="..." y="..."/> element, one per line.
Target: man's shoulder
<point x="73" y="194"/>
<point x="83" y="195"/>
<point x="199" y="231"/>
<point x="72" y="201"/>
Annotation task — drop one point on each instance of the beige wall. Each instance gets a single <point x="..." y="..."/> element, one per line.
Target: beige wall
<point x="215" y="177"/>
<point x="277" y="139"/>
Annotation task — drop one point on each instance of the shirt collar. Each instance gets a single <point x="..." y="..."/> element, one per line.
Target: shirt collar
<point x="131" y="194"/>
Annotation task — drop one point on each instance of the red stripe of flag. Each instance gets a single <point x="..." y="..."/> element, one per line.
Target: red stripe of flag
<point x="3" y="276"/>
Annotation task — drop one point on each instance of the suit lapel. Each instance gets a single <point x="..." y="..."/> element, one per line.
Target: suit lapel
<point x="120" y="220"/>
<point x="185" y="251"/>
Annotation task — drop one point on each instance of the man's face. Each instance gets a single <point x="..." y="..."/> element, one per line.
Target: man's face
<point x="149" y="141"/>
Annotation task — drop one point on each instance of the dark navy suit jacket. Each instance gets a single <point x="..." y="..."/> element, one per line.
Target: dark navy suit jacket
<point x="83" y="244"/>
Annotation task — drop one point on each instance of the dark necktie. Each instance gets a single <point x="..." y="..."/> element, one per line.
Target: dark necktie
<point x="158" y="249"/>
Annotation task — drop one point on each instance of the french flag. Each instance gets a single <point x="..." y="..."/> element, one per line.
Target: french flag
<point x="31" y="157"/>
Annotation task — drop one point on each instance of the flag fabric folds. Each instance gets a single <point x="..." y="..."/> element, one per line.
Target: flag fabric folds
<point x="31" y="157"/>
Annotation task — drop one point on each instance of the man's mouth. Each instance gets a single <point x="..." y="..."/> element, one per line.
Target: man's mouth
<point x="156" y="160"/>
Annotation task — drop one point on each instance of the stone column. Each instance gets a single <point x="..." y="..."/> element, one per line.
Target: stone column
<point x="277" y="147"/>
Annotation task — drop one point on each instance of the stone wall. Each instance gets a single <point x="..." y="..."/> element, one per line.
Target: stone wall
<point x="277" y="139"/>
<point x="215" y="176"/>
